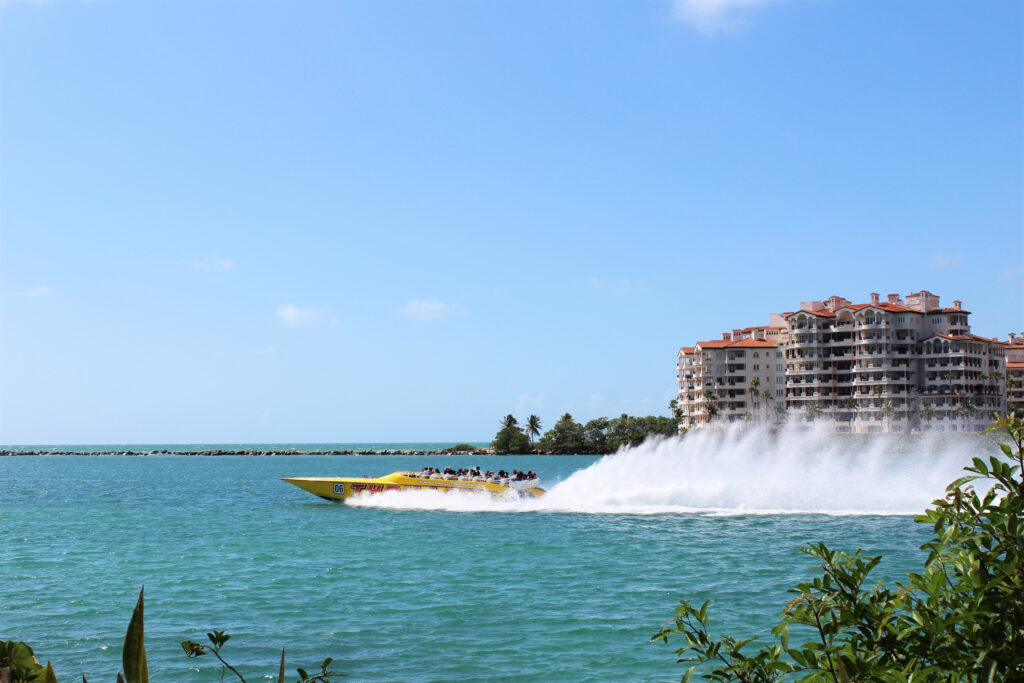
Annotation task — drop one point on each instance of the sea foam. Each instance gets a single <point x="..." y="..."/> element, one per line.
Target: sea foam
<point x="741" y="470"/>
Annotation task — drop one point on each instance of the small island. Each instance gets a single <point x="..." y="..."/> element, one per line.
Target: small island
<point x="599" y="436"/>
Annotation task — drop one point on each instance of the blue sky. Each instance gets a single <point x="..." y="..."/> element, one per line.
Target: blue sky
<point x="399" y="221"/>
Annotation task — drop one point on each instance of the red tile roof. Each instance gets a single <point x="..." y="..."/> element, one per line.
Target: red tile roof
<point x="1011" y="365"/>
<point x="882" y="306"/>
<point x="966" y="337"/>
<point x="739" y="343"/>
<point x="761" y="327"/>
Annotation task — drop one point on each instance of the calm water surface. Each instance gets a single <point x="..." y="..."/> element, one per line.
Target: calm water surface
<point x="391" y="594"/>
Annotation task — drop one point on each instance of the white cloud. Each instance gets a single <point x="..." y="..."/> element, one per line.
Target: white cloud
<point x="711" y="17"/>
<point x="945" y="260"/>
<point x="291" y="315"/>
<point x="428" y="309"/>
<point x="595" y="400"/>
<point x="38" y="290"/>
<point x="211" y="264"/>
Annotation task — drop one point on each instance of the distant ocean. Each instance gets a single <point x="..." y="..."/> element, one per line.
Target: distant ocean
<point x="429" y="587"/>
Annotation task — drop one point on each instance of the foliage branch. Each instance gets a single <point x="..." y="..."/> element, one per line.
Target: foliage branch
<point x="959" y="619"/>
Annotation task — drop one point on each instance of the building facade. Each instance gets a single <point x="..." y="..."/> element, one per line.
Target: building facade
<point x="1015" y="374"/>
<point x="881" y="366"/>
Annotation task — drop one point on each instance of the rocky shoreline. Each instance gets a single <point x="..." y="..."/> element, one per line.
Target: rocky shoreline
<point x="217" y="452"/>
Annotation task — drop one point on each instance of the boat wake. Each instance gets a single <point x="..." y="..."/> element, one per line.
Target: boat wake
<point x="740" y="472"/>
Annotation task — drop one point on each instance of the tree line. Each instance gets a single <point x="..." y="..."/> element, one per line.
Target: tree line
<point x="598" y="436"/>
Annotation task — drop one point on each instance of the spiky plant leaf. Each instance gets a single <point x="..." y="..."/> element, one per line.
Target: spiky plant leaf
<point x="133" y="655"/>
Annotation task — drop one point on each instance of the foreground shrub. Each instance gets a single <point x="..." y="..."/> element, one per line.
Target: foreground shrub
<point x="960" y="619"/>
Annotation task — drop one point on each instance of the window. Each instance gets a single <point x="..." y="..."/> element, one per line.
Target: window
<point x="779" y="380"/>
<point x="778" y="392"/>
<point x="779" y="366"/>
<point x="756" y="366"/>
<point x="778" y="354"/>
<point x="756" y="354"/>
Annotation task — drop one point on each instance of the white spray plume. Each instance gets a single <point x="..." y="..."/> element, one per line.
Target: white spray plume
<point x="741" y="471"/>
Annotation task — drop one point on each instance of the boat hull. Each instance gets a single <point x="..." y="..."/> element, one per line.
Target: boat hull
<point x="340" y="489"/>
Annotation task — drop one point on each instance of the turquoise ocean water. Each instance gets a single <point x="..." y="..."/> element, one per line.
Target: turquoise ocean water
<point x="430" y="587"/>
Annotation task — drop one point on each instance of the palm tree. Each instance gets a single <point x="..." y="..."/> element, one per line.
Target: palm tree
<point x="533" y="427"/>
<point x="814" y="411"/>
<point x="965" y="410"/>
<point x="996" y="377"/>
<point x="752" y="388"/>
<point x="509" y="421"/>
<point x="927" y="413"/>
<point x="949" y="377"/>
<point x="767" y="396"/>
<point x="711" y="398"/>
<point x="887" y="411"/>
<point x="850" y="403"/>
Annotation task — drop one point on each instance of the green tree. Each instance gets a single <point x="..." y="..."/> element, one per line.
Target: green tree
<point x="850" y="403"/>
<point x="767" y="396"/>
<point x="964" y="410"/>
<point x="711" y="404"/>
<point x="961" y="618"/>
<point x="511" y="439"/>
<point x="533" y="427"/>
<point x="509" y="421"/>
<point x="752" y="389"/>
<point x="676" y="410"/>
<point x="927" y="413"/>
<point x="887" y="411"/>
<point x="565" y="437"/>
<point x="595" y="436"/>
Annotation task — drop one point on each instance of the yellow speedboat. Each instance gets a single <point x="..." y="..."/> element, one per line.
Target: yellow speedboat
<point x="341" y="488"/>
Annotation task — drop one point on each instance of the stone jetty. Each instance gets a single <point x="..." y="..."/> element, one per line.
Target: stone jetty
<point x="217" y="452"/>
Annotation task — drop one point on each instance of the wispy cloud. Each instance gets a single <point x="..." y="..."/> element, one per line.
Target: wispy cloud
<point x="945" y="260"/>
<point x="291" y="315"/>
<point x="712" y="17"/>
<point x="528" y="403"/>
<point x="38" y="290"/>
<point x="428" y="309"/>
<point x="210" y="265"/>
<point x="265" y="351"/>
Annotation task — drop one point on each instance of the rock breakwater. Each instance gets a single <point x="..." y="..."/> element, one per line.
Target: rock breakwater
<point x="219" y="452"/>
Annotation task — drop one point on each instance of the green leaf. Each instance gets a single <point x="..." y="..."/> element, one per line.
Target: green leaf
<point x="50" y="677"/>
<point x="133" y="655"/>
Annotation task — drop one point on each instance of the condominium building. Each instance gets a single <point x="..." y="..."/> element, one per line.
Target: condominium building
<point x="717" y="377"/>
<point x="890" y="365"/>
<point x="1015" y="374"/>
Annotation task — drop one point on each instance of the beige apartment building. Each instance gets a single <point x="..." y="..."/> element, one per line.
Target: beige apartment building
<point x="1015" y="374"/>
<point x="880" y="366"/>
